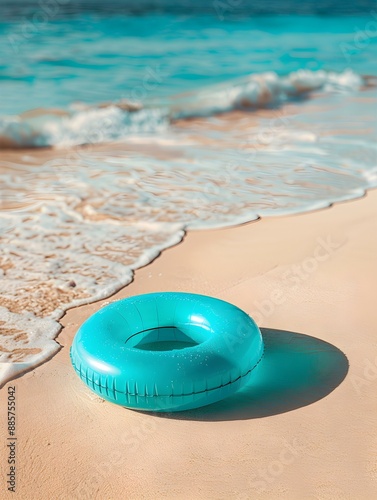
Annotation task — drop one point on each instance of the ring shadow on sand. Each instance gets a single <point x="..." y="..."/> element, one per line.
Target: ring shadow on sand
<point x="296" y="370"/>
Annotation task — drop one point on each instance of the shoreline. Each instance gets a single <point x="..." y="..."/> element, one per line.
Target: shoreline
<point x="313" y="439"/>
<point x="59" y="314"/>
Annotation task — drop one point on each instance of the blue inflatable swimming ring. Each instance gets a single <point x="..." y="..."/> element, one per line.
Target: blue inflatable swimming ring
<point x="207" y="351"/>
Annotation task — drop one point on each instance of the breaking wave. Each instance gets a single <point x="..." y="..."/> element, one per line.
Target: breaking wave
<point x="81" y="125"/>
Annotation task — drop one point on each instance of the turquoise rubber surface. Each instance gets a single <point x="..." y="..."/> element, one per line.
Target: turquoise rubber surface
<point x="112" y="353"/>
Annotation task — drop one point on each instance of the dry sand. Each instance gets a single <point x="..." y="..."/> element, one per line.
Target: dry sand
<point x="310" y="281"/>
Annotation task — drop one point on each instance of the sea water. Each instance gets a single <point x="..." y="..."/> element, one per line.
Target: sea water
<point x="153" y="118"/>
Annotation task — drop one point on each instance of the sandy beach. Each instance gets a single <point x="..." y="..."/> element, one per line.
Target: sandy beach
<point x="309" y="281"/>
<point x="225" y="149"/>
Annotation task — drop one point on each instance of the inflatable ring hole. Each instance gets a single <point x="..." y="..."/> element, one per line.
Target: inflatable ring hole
<point x="162" y="338"/>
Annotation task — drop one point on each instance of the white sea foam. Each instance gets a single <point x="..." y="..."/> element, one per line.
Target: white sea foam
<point x="90" y="126"/>
<point x="26" y="342"/>
<point x="262" y="90"/>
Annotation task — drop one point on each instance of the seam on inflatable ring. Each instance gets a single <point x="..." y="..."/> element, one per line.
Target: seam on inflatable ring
<point x="114" y="390"/>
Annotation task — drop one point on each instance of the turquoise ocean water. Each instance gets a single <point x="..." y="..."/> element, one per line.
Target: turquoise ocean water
<point x="123" y="125"/>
